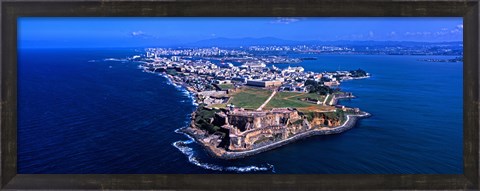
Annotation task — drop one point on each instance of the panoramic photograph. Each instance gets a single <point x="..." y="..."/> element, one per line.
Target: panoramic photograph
<point x="233" y="95"/>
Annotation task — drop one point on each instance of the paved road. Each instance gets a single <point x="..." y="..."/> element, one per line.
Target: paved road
<point x="268" y="100"/>
<point x="325" y="100"/>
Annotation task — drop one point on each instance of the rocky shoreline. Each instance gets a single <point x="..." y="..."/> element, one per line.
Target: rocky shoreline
<point x="222" y="154"/>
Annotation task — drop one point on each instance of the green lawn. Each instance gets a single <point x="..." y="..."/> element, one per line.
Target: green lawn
<point x="287" y="94"/>
<point x="276" y="103"/>
<point x="314" y="96"/>
<point x="250" y="98"/>
<point x="219" y="105"/>
<point x="292" y="99"/>
<point x="226" y="86"/>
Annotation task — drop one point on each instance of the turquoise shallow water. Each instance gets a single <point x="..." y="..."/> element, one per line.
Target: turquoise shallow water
<point x="79" y="113"/>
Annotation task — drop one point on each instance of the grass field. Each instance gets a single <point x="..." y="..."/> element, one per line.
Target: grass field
<point x="316" y="108"/>
<point x="226" y="86"/>
<point x="250" y="98"/>
<point x="219" y="105"/>
<point x="292" y="99"/>
<point x="281" y="101"/>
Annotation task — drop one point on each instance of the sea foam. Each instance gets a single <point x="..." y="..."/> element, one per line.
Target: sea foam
<point x="192" y="158"/>
<point x="115" y="59"/>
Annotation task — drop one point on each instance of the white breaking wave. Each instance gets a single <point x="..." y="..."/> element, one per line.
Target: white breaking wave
<point x="169" y="83"/>
<point x="142" y="67"/>
<point x="186" y="93"/>
<point x="190" y="153"/>
<point x="194" y="103"/>
<point x="115" y="59"/>
<point x="191" y="96"/>
<point x="180" y="88"/>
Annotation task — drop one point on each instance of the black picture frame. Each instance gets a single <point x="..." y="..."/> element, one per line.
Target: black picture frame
<point x="11" y="10"/>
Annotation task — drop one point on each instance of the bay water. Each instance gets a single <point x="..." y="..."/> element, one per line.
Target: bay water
<point x="85" y="111"/>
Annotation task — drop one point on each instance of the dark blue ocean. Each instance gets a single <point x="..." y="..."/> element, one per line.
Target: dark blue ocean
<point x="81" y="112"/>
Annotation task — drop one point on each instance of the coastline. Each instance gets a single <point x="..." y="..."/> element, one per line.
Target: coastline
<point x="218" y="153"/>
<point x="349" y="123"/>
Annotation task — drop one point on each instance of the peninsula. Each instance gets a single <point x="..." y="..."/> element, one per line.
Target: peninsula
<point x="248" y="108"/>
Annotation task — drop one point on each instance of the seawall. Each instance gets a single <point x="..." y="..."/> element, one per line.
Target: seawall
<point x="349" y="123"/>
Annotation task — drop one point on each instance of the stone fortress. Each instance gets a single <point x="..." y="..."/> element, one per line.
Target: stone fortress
<point x="252" y="129"/>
